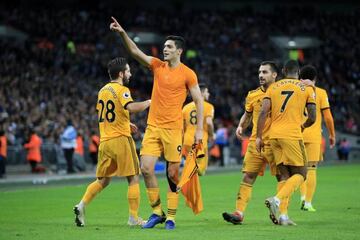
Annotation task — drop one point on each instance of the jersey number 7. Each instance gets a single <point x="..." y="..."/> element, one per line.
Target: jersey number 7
<point x="288" y="96"/>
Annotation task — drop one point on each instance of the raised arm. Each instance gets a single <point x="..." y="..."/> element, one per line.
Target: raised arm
<point x="245" y="121"/>
<point x="130" y="46"/>
<point x="199" y="103"/>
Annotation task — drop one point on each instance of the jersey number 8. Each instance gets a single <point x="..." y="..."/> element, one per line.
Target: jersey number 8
<point x="110" y="111"/>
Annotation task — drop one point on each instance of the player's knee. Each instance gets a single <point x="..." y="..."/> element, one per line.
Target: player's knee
<point x="146" y="170"/>
<point x="104" y="181"/>
<point x="172" y="174"/>
<point x="249" y="177"/>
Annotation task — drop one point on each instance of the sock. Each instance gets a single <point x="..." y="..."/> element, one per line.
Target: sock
<point x="154" y="200"/>
<point x="303" y="189"/>
<point x="133" y="196"/>
<point x="91" y="191"/>
<point x="311" y="184"/>
<point x="290" y="186"/>
<point x="172" y="203"/>
<point x="284" y="202"/>
<point x="243" y="196"/>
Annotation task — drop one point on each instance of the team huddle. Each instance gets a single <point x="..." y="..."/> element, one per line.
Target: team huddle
<point x="286" y="134"/>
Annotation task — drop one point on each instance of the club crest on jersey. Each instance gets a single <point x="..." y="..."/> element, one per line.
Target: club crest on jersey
<point x="126" y="95"/>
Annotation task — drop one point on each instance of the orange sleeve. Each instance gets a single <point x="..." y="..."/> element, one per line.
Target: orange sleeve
<point x="191" y="79"/>
<point x="31" y="143"/>
<point x="155" y="63"/>
<point x="329" y="121"/>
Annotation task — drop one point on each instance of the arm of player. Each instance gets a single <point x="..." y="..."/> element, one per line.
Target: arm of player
<point x="199" y="103"/>
<point x="245" y="121"/>
<point x="265" y="109"/>
<point x="311" y="110"/>
<point x="130" y="46"/>
<point x="135" y="107"/>
<point x="210" y="124"/>
<point x="329" y="122"/>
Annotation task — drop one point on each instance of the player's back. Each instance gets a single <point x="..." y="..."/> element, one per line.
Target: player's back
<point x="313" y="133"/>
<point x="113" y="118"/>
<point x="288" y="101"/>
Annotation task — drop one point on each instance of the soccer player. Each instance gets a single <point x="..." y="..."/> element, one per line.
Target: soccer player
<point x="312" y="138"/>
<point x="190" y="122"/>
<point x="117" y="152"/>
<point x="254" y="162"/>
<point x="163" y="134"/>
<point x="286" y="100"/>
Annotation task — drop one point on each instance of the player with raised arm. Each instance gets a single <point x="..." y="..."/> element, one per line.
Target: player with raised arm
<point x="172" y="80"/>
<point x="117" y="152"/>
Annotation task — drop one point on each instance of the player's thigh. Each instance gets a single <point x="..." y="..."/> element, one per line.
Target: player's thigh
<point x="151" y="143"/>
<point x="294" y="153"/>
<point x="118" y="158"/>
<point x="172" y="142"/>
<point x="268" y="157"/>
<point x="253" y="160"/>
<point x="313" y="151"/>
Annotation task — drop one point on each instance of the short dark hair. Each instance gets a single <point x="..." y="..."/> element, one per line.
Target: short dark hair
<point x="308" y="72"/>
<point x="291" y="67"/>
<point x="179" y="41"/>
<point x="115" y="66"/>
<point x="273" y="66"/>
<point x="202" y="86"/>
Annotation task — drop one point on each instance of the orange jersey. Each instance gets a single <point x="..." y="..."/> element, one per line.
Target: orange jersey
<point x="253" y="104"/>
<point x="190" y="119"/>
<point x="114" y="119"/>
<point x="33" y="148"/>
<point x="94" y="144"/>
<point x="169" y="93"/>
<point x="312" y="134"/>
<point x="79" y="146"/>
<point x="288" y="98"/>
<point x="3" y="146"/>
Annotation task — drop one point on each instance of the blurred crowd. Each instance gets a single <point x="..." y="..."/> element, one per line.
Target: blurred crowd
<point x="54" y="74"/>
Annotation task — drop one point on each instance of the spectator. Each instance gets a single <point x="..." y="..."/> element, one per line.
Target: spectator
<point x="222" y="140"/>
<point x="344" y="149"/>
<point x="33" y="156"/>
<point x="79" y="160"/>
<point x="93" y="147"/>
<point x="68" y="144"/>
<point x="3" y="153"/>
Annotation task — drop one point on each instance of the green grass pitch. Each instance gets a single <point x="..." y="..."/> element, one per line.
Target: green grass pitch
<point x="45" y="212"/>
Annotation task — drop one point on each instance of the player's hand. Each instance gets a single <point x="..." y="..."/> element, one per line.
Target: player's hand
<point x="239" y="133"/>
<point x="115" y="26"/>
<point x="198" y="136"/>
<point x="308" y="82"/>
<point x="332" y="141"/>
<point x="133" y="128"/>
<point x="259" y="144"/>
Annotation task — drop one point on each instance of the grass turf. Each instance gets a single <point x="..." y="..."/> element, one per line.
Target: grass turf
<point x="45" y="212"/>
